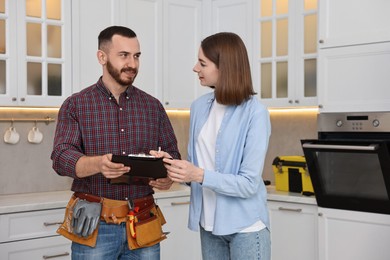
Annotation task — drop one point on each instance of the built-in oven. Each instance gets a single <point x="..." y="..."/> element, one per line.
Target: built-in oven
<point x="349" y="163"/>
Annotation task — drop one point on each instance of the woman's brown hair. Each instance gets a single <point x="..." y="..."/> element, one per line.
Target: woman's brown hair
<point x="228" y="52"/>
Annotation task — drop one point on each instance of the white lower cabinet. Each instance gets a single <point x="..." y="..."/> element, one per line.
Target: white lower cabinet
<point x="353" y="235"/>
<point x="293" y="230"/>
<point x="182" y="243"/>
<point x="32" y="235"/>
<point x="56" y="247"/>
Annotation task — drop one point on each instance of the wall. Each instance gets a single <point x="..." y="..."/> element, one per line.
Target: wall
<point x="26" y="167"/>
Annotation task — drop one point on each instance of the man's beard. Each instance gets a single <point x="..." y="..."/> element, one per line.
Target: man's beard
<point x="116" y="74"/>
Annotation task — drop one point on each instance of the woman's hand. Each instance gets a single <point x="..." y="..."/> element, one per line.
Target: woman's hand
<point x="160" y="154"/>
<point x="162" y="183"/>
<point x="183" y="171"/>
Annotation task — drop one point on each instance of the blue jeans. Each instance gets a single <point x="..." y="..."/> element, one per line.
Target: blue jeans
<point x="248" y="246"/>
<point x="112" y="244"/>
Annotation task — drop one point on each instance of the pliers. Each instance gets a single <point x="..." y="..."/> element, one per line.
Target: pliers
<point x="132" y="218"/>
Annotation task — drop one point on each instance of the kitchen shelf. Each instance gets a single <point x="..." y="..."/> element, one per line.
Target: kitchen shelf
<point x="47" y="120"/>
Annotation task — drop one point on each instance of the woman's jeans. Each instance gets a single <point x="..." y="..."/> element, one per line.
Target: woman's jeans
<point x="112" y="244"/>
<point x="238" y="246"/>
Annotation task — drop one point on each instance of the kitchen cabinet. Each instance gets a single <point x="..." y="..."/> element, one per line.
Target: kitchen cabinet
<point x="285" y="70"/>
<point x="293" y="230"/>
<point x="169" y="31"/>
<point x="182" y="23"/>
<point x="182" y="243"/>
<point x="345" y="234"/>
<point x="32" y="235"/>
<point x="231" y="16"/>
<point x="35" y="55"/>
<point x="86" y="26"/>
<point x="28" y="223"/>
<point x="351" y="22"/>
<point x="142" y="16"/>
<point x="354" y="78"/>
<point x="354" y="48"/>
<point x="169" y="34"/>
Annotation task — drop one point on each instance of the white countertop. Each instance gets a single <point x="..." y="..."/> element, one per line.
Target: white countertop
<point x="59" y="199"/>
<point x="286" y="196"/>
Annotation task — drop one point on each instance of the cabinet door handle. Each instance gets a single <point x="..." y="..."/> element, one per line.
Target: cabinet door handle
<point x="55" y="256"/>
<point x="289" y="209"/>
<point x="180" y="203"/>
<point x="46" y="224"/>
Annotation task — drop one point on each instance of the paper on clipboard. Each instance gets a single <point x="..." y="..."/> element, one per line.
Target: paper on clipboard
<point x="142" y="167"/>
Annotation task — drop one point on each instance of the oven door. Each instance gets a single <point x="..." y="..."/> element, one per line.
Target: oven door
<point x="351" y="175"/>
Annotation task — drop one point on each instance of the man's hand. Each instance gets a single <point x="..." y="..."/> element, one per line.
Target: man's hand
<point x="161" y="184"/>
<point x="90" y="165"/>
<point x="85" y="217"/>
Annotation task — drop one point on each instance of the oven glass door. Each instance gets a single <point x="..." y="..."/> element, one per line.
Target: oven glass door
<point x="351" y="175"/>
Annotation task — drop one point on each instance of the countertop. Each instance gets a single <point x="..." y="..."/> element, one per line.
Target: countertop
<point x="285" y="196"/>
<point x="59" y="199"/>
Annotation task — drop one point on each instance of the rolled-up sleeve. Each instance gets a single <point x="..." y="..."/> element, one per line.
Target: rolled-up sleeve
<point x="67" y="148"/>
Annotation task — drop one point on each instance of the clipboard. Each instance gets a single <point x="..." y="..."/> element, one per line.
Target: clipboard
<point x="143" y="168"/>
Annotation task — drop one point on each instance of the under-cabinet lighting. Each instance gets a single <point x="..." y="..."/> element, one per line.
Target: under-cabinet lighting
<point x="294" y="110"/>
<point x="38" y="109"/>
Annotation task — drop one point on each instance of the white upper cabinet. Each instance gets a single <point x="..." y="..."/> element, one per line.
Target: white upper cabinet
<point x="169" y="35"/>
<point x="351" y="22"/>
<point x="144" y="17"/>
<point x="181" y="38"/>
<point x="86" y="26"/>
<point x="354" y="56"/>
<point x="286" y="52"/>
<point x="355" y="78"/>
<point x="35" y="52"/>
<point x="169" y="31"/>
<point x="233" y="16"/>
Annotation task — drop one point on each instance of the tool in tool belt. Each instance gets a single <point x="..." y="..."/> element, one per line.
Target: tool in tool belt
<point x="85" y="217"/>
<point x="132" y="217"/>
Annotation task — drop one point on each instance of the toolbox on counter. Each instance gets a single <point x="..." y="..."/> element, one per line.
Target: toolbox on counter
<point x="291" y="174"/>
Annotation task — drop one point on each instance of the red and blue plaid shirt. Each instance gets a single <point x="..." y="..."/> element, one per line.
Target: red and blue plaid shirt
<point x="92" y="123"/>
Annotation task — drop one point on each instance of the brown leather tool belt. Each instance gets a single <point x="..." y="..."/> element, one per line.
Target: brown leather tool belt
<point x="144" y="220"/>
<point x="116" y="211"/>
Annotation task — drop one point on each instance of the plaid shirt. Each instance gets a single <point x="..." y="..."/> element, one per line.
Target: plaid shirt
<point x="92" y="123"/>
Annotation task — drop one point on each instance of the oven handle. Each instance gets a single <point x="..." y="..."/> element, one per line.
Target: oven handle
<point x="371" y="147"/>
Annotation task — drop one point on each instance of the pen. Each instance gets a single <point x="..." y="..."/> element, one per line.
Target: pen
<point x="159" y="149"/>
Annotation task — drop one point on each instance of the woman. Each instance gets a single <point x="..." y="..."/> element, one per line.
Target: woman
<point x="229" y="134"/>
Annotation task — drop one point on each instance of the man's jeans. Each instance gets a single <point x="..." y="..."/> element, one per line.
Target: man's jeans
<point x="112" y="244"/>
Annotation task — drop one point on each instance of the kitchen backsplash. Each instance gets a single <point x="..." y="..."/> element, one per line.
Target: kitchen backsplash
<point x="26" y="167"/>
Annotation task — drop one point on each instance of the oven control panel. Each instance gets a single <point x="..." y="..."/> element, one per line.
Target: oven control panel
<point x="354" y="122"/>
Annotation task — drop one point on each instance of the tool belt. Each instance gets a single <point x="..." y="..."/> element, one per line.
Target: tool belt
<point x="143" y="218"/>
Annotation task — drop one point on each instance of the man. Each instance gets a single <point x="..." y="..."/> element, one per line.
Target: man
<point x="111" y="117"/>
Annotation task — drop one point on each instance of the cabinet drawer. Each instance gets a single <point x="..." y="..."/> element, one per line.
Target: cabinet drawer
<point x="33" y="224"/>
<point x="56" y="247"/>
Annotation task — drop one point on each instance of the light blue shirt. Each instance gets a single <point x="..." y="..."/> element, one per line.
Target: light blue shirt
<point x="240" y="151"/>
